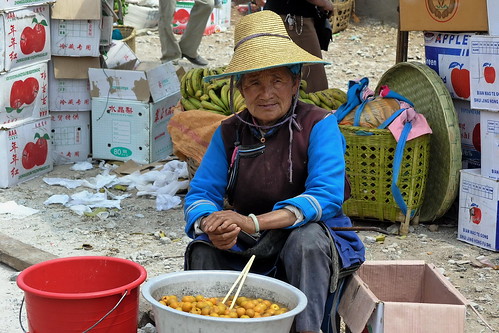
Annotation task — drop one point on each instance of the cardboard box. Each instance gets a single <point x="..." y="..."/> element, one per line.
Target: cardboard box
<point x="17" y="4"/>
<point x="484" y="68"/>
<point x="69" y="88"/>
<point x="132" y="130"/>
<point x="148" y="81"/>
<point x="142" y="17"/>
<point x="489" y="124"/>
<point x="71" y="136"/>
<point x="493" y="14"/>
<point x="75" y="38"/>
<point x="448" y="55"/>
<point x="463" y="15"/>
<point x="120" y="56"/>
<point x="25" y="151"/>
<point x="77" y="10"/>
<point x="478" y="220"/>
<point x="24" y="37"/>
<point x="469" y="126"/>
<point x="181" y="17"/>
<point x="24" y="93"/>
<point x="401" y="296"/>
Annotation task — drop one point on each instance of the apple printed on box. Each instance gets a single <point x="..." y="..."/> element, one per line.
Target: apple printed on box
<point x="24" y="93"/>
<point x="182" y="15"/>
<point x="478" y="220"/>
<point x="448" y="55"/>
<point x="484" y="64"/>
<point x="25" y="151"/>
<point x="16" y="4"/>
<point x="75" y="38"/>
<point x="24" y="37"/>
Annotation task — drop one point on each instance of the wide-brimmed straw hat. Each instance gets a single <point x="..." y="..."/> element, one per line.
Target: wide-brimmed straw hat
<point x="261" y="42"/>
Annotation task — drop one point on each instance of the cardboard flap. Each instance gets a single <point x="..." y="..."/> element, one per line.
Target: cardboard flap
<point x="77" y="10"/>
<point x="74" y="67"/>
<point x="120" y="84"/>
<point x="357" y="304"/>
<point x="426" y="317"/>
<point x="445" y="293"/>
<point x="163" y="80"/>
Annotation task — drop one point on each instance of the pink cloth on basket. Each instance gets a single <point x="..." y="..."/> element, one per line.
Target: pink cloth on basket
<point x="419" y="124"/>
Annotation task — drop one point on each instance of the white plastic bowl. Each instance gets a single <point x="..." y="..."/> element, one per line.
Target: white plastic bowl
<point x="215" y="283"/>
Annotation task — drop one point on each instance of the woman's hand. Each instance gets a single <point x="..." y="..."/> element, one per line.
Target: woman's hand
<point x="223" y="227"/>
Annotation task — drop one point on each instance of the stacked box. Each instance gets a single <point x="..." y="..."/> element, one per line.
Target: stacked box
<point x="26" y="151"/>
<point x="478" y="210"/>
<point x="469" y="126"/>
<point x="131" y="110"/>
<point x="70" y="136"/>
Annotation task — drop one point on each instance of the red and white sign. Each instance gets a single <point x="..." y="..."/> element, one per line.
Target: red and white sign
<point x="24" y="37"/>
<point x="24" y="93"/>
<point x="25" y="151"/>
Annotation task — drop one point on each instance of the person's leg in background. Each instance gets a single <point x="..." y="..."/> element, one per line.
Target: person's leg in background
<point x="306" y="37"/>
<point x="170" y="50"/>
<point x="189" y="43"/>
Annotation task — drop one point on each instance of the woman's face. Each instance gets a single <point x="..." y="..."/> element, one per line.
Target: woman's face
<point x="268" y="93"/>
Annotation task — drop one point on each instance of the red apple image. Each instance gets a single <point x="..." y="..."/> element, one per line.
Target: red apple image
<point x="23" y="92"/>
<point x="42" y="148"/>
<point x="475" y="137"/>
<point x="33" y="38"/>
<point x="26" y="40"/>
<point x="31" y="88"/>
<point x="39" y="35"/>
<point x="16" y="96"/>
<point x="460" y="80"/>
<point x="475" y="214"/>
<point x="28" y="160"/>
<point x="181" y="16"/>
<point x="489" y="72"/>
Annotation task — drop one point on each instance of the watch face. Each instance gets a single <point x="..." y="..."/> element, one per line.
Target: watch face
<point x="442" y="10"/>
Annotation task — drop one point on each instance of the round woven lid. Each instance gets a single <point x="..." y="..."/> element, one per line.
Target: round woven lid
<point x="421" y="85"/>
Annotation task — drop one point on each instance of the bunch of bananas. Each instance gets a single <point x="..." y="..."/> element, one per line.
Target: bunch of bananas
<point x="211" y="96"/>
<point x="329" y="99"/>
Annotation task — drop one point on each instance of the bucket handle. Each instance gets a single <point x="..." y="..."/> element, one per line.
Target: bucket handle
<point x="88" y="329"/>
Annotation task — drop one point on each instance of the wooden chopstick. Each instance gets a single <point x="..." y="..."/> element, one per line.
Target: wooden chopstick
<point x="242" y="278"/>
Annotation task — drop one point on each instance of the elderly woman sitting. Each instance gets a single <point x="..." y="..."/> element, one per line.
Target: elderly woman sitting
<point x="280" y="165"/>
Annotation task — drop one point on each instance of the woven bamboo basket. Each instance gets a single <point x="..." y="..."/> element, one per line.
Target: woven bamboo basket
<point x="369" y="161"/>
<point x="128" y="34"/>
<point x="422" y="85"/>
<point x="342" y="11"/>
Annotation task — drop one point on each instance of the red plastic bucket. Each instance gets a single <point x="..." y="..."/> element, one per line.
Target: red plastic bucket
<point x="73" y="294"/>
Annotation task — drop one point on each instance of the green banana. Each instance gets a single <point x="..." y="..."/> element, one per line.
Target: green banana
<point x="211" y="106"/>
<point x="183" y="87"/>
<point x="196" y="102"/>
<point x="224" y="95"/>
<point x="197" y="79"/>
<point x="188" y="83"/>
<point x="306" y="100"/>
<point x="303" y="93"/>
<point x="204" y="97"/>
<point x="187" y="104"/>
<point x="325" y="98"/>
<point x="303" y="84"/>
<point x="337" y="94"/>
<point x="215" y="99"/>
<point x="313" y="97"/>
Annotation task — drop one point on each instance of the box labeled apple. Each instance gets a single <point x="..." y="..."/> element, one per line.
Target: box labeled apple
<point x="478" y="220"/>
<point x="70" y="136"/>
<point x="69" y="88"/>
<point x="401" y="296"/>
<point x="16" y="4"/>
<point x="132" y="130"/>
<point x="25" y="151"/>
<point x="484" y="64"/>
<point x="489" y="123"/>
<point x="148" y="81"/>
<point x="24" y="37"/>
<point x="469" y="126"/>
<point x="24" y="93"/>
<point x="448" y="55"/>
